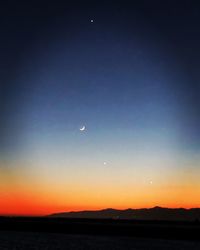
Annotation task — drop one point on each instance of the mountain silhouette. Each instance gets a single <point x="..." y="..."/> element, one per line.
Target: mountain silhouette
<point x="155" y="213"/>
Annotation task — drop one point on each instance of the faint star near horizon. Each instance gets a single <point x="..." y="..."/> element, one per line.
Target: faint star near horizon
<point x="91" y="20"/>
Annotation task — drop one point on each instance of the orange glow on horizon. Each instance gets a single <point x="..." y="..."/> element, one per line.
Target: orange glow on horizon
<point x="19" y="204"/>
<point x="27" y="195"/>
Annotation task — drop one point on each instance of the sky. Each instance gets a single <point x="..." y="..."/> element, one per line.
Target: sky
<point x="99" y="105"/>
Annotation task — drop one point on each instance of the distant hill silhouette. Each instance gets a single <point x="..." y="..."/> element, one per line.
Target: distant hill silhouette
<point x="155" y="213"/>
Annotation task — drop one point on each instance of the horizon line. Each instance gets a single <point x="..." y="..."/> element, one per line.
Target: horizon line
<point x="95" y="210"/>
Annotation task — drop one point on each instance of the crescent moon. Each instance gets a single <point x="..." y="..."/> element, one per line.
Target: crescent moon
<point x="82" y="128"/>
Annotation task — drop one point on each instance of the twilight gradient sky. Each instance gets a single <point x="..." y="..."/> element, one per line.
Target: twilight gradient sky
<point x="131" y="77"/>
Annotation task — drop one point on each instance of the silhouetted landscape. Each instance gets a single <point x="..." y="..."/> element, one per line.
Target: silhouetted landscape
<point x="103" y="229"/>
<point x="156" y="213"/>
<point x="157" y="222"/>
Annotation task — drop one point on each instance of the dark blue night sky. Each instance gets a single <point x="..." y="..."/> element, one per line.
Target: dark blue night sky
<point x="128" y="72"/>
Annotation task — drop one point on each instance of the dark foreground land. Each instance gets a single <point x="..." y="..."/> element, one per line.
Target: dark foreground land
<point x="50" y="241"/>
<point x="58" y="233"/>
